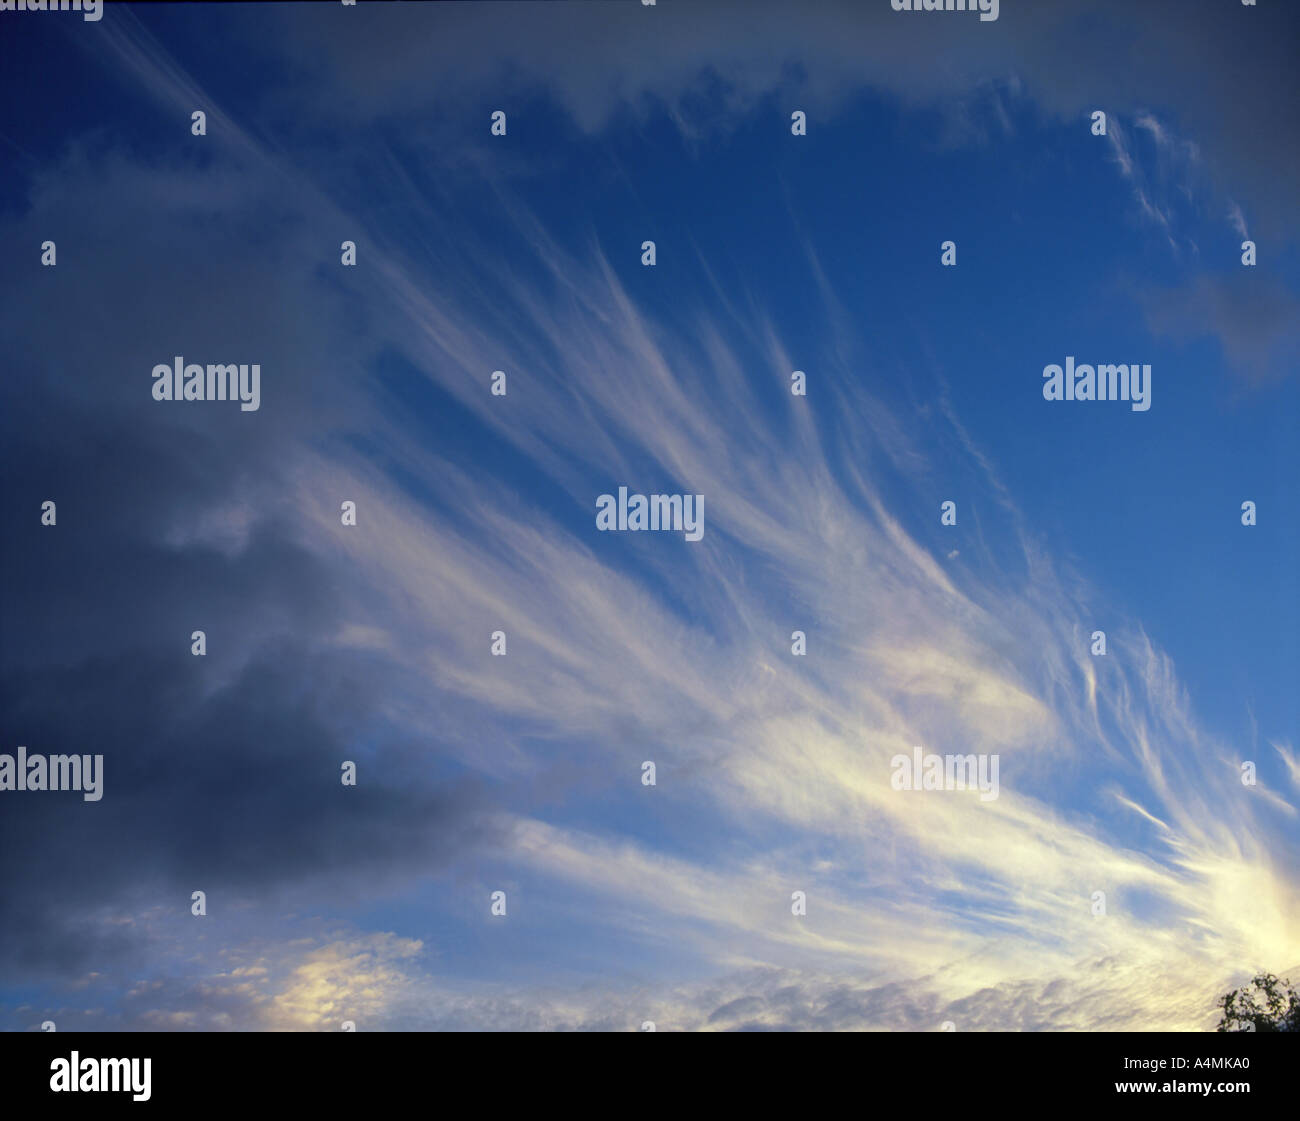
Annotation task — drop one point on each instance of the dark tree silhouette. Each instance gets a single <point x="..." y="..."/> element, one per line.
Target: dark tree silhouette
<point x="1268" y="1005"/>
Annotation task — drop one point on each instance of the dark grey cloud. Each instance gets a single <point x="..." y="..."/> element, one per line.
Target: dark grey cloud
<point x="1253" y="313"/>
<point x="222" y="772"/>
<point x="1223" y="71"/>
<point x="235" y="791"/>
<point x="1213" y="83"/>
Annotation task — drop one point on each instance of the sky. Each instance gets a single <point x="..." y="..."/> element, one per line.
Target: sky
<point x="627" y="904"/>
